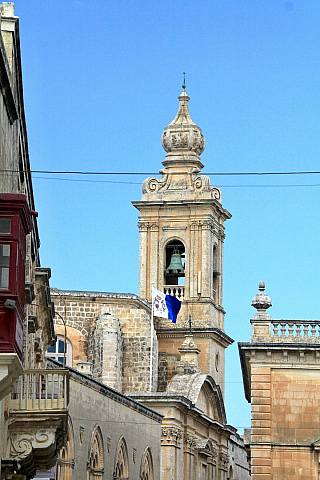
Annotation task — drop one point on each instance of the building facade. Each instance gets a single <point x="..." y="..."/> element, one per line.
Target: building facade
<point x="33" y="401"/>
<point x="174" y="369"/>
<point x="282" y="382"/>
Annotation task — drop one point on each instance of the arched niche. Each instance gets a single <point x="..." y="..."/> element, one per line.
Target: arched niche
<point x="95" y="462"/>
<point x="174" y="256"/>
<point x="146" y="468"/>
<point x="121" y="464"/>
<point x="65" y="459"/>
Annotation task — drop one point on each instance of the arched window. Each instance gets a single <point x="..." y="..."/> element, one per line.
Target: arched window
<point x="65" y="460"/>
<point x="174" y="272"/>
<point x="146" y="469"/>
<point x="121" y="468"/>
<point x="57" y="350"/>
<point x="95" y="464"/>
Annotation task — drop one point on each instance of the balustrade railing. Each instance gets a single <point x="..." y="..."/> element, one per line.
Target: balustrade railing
<point x="41" y="390"/>
<point x="174" y="290"/>
<point x="288" y="331"/>
<point x="303" y="331"/>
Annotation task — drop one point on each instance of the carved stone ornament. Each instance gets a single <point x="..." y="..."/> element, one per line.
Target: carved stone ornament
<point x="21" y="445"/>
<point x="143" y="226"/>
<point x="202" y="182"/>
<point x="190" y="443"/>
<point x="153" y="184"/>
<point x="223" y="461"/>
<point x="171" y="436"/>
<point x="182" y="133"/>
<point x="261" y="302"/>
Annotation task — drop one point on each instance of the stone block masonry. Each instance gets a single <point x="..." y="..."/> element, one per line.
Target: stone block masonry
<point x="116" y="332"/>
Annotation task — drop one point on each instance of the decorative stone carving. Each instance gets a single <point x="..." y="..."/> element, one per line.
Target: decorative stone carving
<point x="154" y="227"/>
<point x="171" y="436"/>
<point x="207" y="225"/>
<point x="223" y="461"/>
<point x="22" y="444"/>
<point x="143" y="226"/>
<point x="205" y="447"/>
<point x="190" y="443"/>
<point x="153" y="184"/>
<point x="182" y="133"/>
<point x="216" y="193"/>
<point x="261" y="301"/>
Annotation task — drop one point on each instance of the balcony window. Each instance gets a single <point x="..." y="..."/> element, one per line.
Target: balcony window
<point x="56" y="351"/>
<point x="4" y="266"/>
<point x="5" y="225"/>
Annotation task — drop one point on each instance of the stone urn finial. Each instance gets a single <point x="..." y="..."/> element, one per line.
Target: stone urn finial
<point x="182" y="135"/>
<point x="261" y="301"/>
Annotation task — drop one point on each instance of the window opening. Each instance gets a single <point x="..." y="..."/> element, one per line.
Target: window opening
<point x="56" y="351"/>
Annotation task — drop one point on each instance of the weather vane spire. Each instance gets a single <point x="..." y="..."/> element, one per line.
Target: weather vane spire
<point x="184" y="81"/>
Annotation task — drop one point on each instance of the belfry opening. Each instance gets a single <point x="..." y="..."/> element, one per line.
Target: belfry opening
<point x="174" y="272"/>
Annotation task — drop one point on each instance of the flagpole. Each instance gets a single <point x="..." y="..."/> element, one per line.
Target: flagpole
<point x="151" y="346"/>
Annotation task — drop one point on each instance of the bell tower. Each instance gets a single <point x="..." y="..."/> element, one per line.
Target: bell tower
<point x="181" y="227"/>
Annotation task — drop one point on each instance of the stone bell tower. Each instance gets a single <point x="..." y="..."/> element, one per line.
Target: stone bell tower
<point x="181" y="227"/>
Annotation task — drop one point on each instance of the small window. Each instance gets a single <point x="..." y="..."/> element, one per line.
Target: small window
<point x="5" y="225"/>
<point x="56" y="351"/>
<point x="4" y="266"/>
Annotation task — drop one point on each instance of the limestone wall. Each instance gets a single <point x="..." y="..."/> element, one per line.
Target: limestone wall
<point x="94" y="405"/>
<point x="116" y="331"/>
<point x="285" y="419"/>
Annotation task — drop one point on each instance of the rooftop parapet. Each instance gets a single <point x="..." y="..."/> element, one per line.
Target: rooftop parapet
<point x="266" y="330"/>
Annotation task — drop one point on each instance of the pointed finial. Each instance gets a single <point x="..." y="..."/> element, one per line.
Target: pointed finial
<point x="184" y="81"/>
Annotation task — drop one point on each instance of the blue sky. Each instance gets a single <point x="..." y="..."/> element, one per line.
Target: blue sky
<point x="101" y="81"/>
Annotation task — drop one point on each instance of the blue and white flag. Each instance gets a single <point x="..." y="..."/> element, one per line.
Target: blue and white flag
<point x="165" y="306"/>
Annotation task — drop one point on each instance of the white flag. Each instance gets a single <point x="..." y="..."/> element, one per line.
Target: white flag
<point x="159" y="304"/>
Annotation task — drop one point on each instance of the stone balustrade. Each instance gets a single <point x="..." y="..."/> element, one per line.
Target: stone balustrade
<point x="286" y="331"/>
<point x="174" y="290"/>
<point x="41" y="390"/>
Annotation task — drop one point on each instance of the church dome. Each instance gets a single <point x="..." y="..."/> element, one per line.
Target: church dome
<point x="182" y="135"/>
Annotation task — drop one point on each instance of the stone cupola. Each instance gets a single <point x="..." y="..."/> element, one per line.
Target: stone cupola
<point x="182" y="139"/>
<point x="184" y="142"/>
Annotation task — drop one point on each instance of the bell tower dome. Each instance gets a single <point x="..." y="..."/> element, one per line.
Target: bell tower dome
<point x="181" y="227"/>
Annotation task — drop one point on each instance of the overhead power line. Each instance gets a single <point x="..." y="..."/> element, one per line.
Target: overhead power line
<point x="176" y="173"/>
<point x="139" y="183"/>
<point x="80" y="172"/>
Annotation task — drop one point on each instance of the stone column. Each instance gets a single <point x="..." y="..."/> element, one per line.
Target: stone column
<point x="189" y="448"/>
<point x="171" y="453"/>
<point x="154" y="257"/>
<point x="206" y="266"/>
<point x="193" y="260"/>
<point x="143" y="229"/>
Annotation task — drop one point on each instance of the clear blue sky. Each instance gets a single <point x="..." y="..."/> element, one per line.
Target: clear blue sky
<point x="101" y="81"/>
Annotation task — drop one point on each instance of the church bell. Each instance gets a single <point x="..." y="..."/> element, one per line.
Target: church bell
<point x="175" y="262"/>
